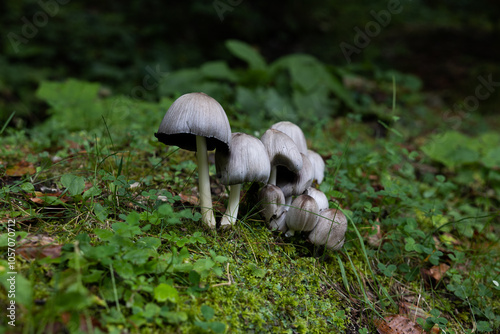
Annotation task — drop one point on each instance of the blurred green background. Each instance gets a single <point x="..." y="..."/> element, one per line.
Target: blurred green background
<point x="446" y="43"/>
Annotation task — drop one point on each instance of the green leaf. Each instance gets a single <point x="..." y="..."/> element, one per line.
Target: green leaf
<point x="23" y="289"/>
<point x="91" y="192"/>
<point x="207" y="311"/>
<point x="4" y="237"/>
<point x="174" y="317"/>
<point x="203" y="265"/>
<point x="256" y="271"/>
<point x="247" y="53"/>
<point x="124" y="269"/>
<point x="101" y="212"/>
<point x="139" y="256"/>
<point x="194" y="278"/>
<point x="218" y="70"/>
<point x="92" y="277"/>
<point x="133" y="218"/>
<point x="149" y="242"/>
<point x="452" y="149"/>
<point x="164" y="292"/>
<point x="101" y="252"/>
<point x="103" y="234"/>
<point x="27" y="187"/>
<point x="484" y="326"/>
<point x="125" y="229"/>
<point x="74" y="104"/>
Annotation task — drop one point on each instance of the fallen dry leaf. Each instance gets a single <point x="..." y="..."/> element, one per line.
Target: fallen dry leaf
<point x="42" y="198"/>
<point x="397" y="324"/>
<point x="435" y="273"/>
<point x="413" y="313"/>
<point x="20" y="169"/>
<point x="38" y="247"/>
<point x="189" y="199"/>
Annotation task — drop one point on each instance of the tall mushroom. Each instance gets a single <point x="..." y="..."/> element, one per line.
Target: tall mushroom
<point x="197" y="122"/>
<point x="246" y="161"/>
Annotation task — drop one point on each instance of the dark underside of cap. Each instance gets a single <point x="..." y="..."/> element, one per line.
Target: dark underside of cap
<point x="187" y="141"/>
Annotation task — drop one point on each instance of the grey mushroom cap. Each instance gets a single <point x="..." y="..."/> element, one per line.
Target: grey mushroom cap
<point x="319" y="197"/>
<point x="294" y="132"/>
<point x="302" y="214"/>
<point x="246" y="161"/>
<point x="272" y="201"/>
<point x="191" y="115"/>
<point x="282" y="150"/>
<point x="318" y="165"/>
<point x="330" y="229"/>
<point x="296" y="183"/>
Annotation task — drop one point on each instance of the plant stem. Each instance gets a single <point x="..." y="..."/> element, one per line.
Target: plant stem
<point x="204" y="183"/>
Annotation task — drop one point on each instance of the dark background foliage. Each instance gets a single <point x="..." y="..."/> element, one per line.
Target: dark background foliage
<point x="447" y="43"/>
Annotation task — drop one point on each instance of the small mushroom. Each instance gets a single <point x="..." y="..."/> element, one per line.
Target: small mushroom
<point x="294" y="132"/>
<point x="318" y="165"/>
<point x="282" y="151"/>
<point x="246" y="161"/>
<point x="272" y="201"/>
<point x="197" y="122"/>
<point x="302" y="215"/>
<point x="330" y="229"/>
<point x="319" y="197"/>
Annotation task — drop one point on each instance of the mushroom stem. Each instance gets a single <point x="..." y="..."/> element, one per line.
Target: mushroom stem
<point x="204" y="182"/>
<point x="233" y="205"/>
<point x="272" y="176"/>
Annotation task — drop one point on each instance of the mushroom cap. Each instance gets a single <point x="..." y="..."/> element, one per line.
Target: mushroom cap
<point x="296" y="183"/>
<point x="318" y="165"/>
<point x="191" y="115"/>
<point x="302" y="214"/>
<point x="294" y="132"/>
<point x="282" y="150"/>
<point x="319" y="197"/>
<point x="272" y="200"/>
<point x="246" y="161"/>
<point x="330" y="229"/>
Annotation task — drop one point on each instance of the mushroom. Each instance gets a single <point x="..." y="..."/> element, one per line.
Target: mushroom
<point x="302" y="215"/>
<point x="318" y="165"/>
<point x="197" y="122"/>
<point x="294" y="184"/>
<point x="246" y="161"/>
<point x="294" y="132"/>
<point x="272" y="201"/>
<point x="330" y="229"/>
<point x="319" y="197"/>
<point x="282" y="151"/>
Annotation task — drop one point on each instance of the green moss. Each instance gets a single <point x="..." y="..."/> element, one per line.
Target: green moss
<point x="274" y="293"/>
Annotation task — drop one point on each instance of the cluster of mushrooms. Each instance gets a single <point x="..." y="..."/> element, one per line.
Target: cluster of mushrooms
<point x="280" y="160"/>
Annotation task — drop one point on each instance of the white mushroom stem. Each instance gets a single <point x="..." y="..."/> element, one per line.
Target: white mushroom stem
<point x="272" y="176"/>
<point x="204" y="182"/>
<point x="233" y="205"/>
